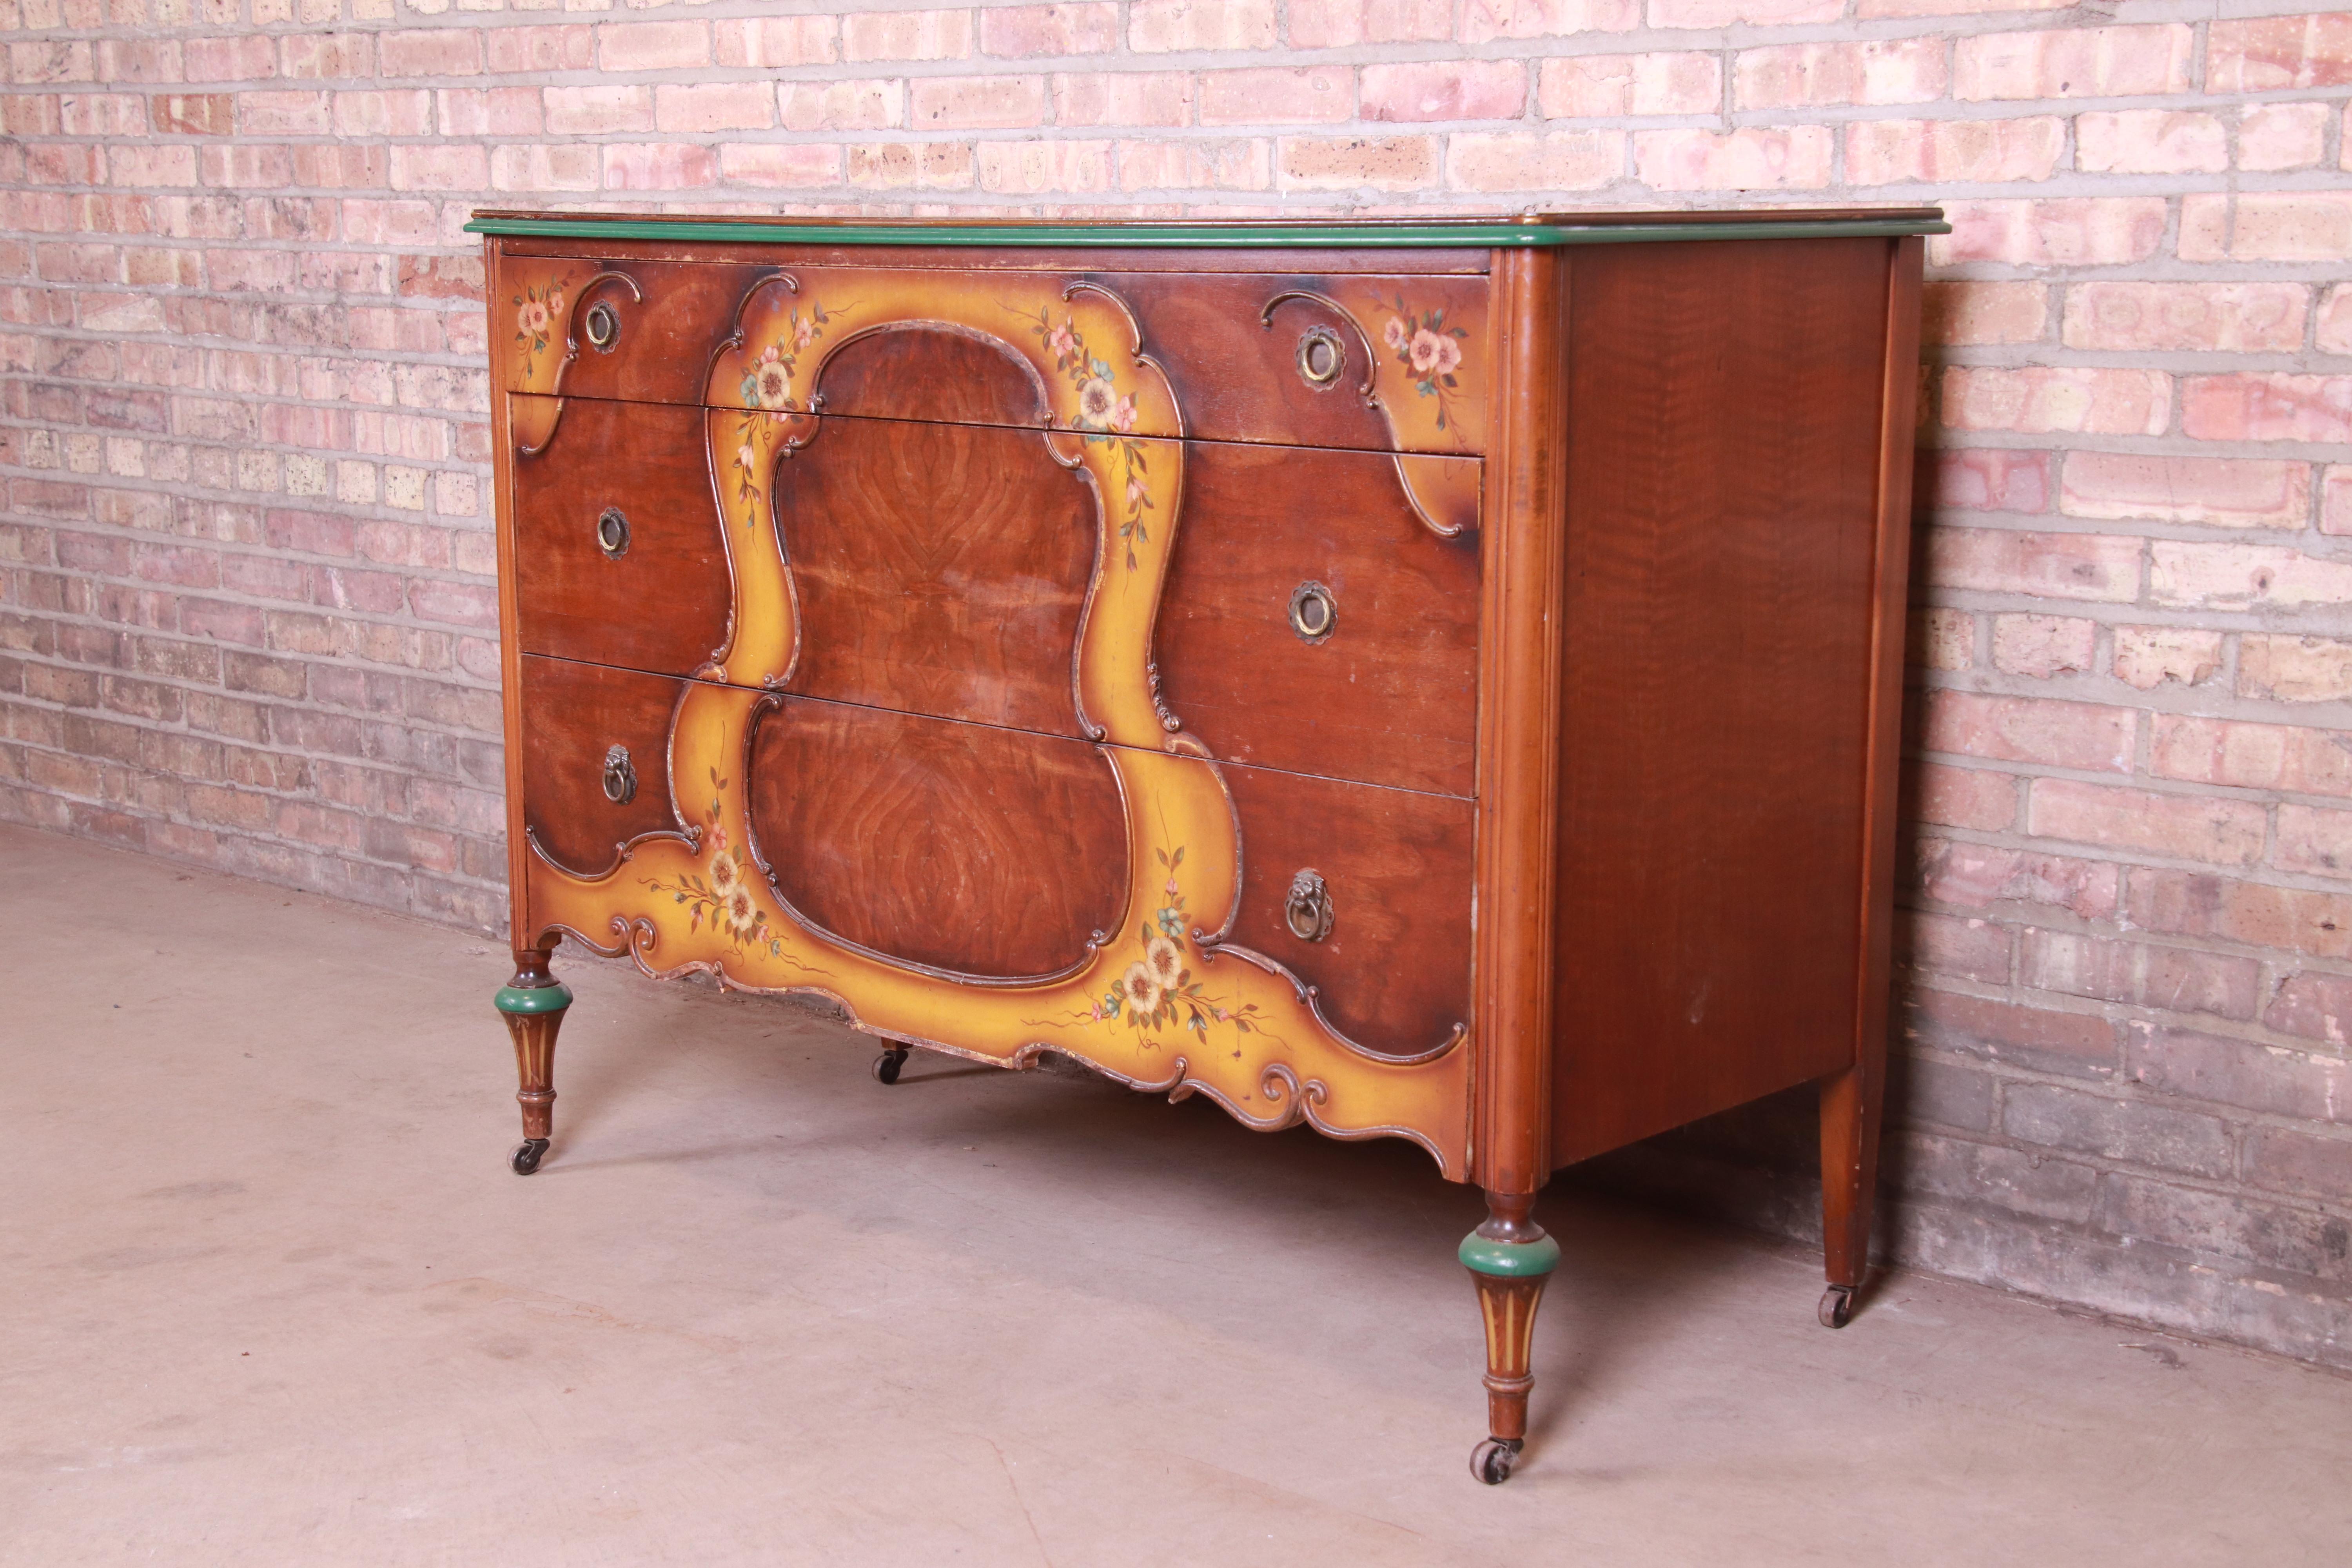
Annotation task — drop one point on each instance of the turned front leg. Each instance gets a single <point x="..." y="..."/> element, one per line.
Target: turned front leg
<point x="533" y="1004"/>
<point x="1509" y="1258"/>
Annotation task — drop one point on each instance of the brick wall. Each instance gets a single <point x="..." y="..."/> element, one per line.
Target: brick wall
<point x="245" y="602"/>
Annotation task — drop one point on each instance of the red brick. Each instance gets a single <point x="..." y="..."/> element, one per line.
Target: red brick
<point x="2041" y="400"/>
<point x="2077" y="231"/>
<point x="1444" y="89"/>
<point x="1318" y="94"/>
<point x="2229" y="909"/>
<point x="692" y="108"/>
<point x="2266" y="54"/>
<point x="1891" y="152"/>
<point x="1795" y="157"/>
<point x="652" y="46"/>
<point x="2314" y="840"/>
<point x="1961" y="797"/>
<point x="2148" y="657"/>
<point x="2243" y="577"/>
<point x="429" y="52"/>
<point x="2050" y="565"/>
<point x="1988" y="480"/>
<point x="2029" y="730"/>
<point x="1982" y="876"/>
<point x="1519" y="161"/>
<point x="2275" y="136"/>
<point x="2182" y="826"/>
<point x="2229" y="492"/>
<point x="2226" y="317"/>
<point x="2295" y="669"/>
<point x="515" y="51"/>
<point x="2272" y="226"/>
<point x="2177" y="979"/>
<point x="1024" y="31"/>
<point x="1584" y="87"/>
<point x="1347" y="162"/>
<point x="455" y="167"/>
<point x="1966" y="949"/>
<point x="2043" y="645"/>
<point x="1158" y="27"/>
<point x="1036" y="168"/>
<point x="2290" y="1161"/>
<point x="842" y="105"/>
<point x="906" y="35"/>
<point x="2257" y="407"/>
<point x="1884" y="70"/>
<point x="1334" y="24"/>
<point x="1242" y="163"/>
<point x="2049" y="1038"/>
<point x="2150" y="141"/>
<point x="2101" y="62"/>
<point x="977" y="102"/>
<point x="593" y="110"/>
<point x="780" y="165"/>
<point x="1485" y="20"/>
<point x="1126" y="98"/>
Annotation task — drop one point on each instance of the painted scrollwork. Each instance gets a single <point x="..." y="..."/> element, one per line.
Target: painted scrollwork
<point x="1151" y="1005"/>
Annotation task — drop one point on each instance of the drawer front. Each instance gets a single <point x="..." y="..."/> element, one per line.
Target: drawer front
<point x="1379" y="363"/>
<point x="619" y="557"/>
<point x="960" y="847"/>
<point x="645" y="330"/>
<point x="575" y="719"/>
<point x="1269" y="539"/>
<point x="1393" y="972"/>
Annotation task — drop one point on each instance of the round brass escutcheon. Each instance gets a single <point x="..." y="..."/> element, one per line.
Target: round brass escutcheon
<point x="1314" y="612"/>
<point x="612" y="534"/>
<point x="1308" y="910"/>
<point x="620" y="776"/>
<point x="604" y="327"/>
<point x="1321" y="357"/>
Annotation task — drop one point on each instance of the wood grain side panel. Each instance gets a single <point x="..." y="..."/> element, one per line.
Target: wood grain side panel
<point x="1390" y="696"/>
<point x="572" y="715"/>
<point x="938" y="569"/>
<point x="663" y="603"/>
<point x="1393" y="974"/>
<point x="1723" y="514"/>
<point x="959" y="846"/>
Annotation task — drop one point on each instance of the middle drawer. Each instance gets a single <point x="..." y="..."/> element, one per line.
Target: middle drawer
<point x="1315" y="618"/>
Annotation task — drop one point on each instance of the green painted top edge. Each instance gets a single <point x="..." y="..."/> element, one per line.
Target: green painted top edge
<point x="1202" y="236"/>
<point x="553" y="998"/>
<point x="1508" y="1259"/>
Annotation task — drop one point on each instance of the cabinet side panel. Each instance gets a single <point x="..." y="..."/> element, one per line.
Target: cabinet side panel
<point x="1723" y="506"/>
<point x="509" y="638"/>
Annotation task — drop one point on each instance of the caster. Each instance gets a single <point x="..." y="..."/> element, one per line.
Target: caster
<point x="1491" y="1462"/>
<point x="526" y="1156"/>
<point x="1837" y="1306"/>
<point x="886" y="1065"/>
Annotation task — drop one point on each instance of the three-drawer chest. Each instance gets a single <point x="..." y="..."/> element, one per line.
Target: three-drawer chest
<point x="1429" y="679"/>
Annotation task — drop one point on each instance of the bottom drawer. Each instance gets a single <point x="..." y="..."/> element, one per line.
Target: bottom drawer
<point x="997" y="855"/>
<point x="586" y="727"/>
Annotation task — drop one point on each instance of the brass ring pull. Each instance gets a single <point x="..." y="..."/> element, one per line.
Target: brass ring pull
<point x="1308" y="910"/>
<point x="1314" y="612"/>
<point x="612" y="534"/>
<point x="603" y="325"/>
<point x="1322" y="358"/>
<point x="620" y="776"/>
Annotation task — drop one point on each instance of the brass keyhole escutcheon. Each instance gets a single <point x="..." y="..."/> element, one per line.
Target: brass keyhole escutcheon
<point x="602" y="324"/>
<point x="1314" y="612"/>
<point x="1308" y="910"/>
<point x="620" y="776"/>
<point x="612" y="534"/>
<point x="1322" y="357"/>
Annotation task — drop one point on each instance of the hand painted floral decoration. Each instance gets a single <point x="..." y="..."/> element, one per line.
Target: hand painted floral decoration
<point x="537" y="311"/>
<point x="1105" y="414"/>
<point x="768" y="384"/>
<point x="1428" y="348"/>
<point x="1158" y="989"/>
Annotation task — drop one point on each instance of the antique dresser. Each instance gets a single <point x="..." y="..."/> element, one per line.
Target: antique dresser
<point x="1425" y="680"/>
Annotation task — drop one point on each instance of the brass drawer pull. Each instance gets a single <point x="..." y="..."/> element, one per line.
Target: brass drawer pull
<point x="612" y="534"/>
<point x="1314" y="612"/>
<point x="1322" y="358"/>
<point x="620" y="776"/>
<point x="604" y="327"/>
<point x="1308" y="910"/>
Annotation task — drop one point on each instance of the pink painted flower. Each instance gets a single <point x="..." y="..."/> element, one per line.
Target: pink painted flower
<point x="745" y="457"/>
<point x="805" y="334"/>
<point x="1063" y="342"/>
<point x="532" y="318"/>
<point x="1171" y="887"/>
<point x="556" y="304"/>
<point x="1122" y="418"/>
<point x="1433" y="354"/>
<point x="1136" y="494"/>
<point x="1396" y="333"/>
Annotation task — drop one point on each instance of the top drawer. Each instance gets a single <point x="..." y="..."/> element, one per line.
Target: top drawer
<point x="1375" y="362"/>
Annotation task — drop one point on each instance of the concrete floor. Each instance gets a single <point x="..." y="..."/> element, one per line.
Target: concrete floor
<point x="270" y="1294"/>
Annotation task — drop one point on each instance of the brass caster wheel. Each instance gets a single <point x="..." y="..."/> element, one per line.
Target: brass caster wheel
<point x="526" y="1156"/>
<point x="886" y="1065"/>
<point x="1491" y="1462"/>
<point x="1837" y="1306"/>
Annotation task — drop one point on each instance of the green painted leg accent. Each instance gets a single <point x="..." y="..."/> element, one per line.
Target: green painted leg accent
<point x="537" y="999"/>
<point x="1508" y="1259"/>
